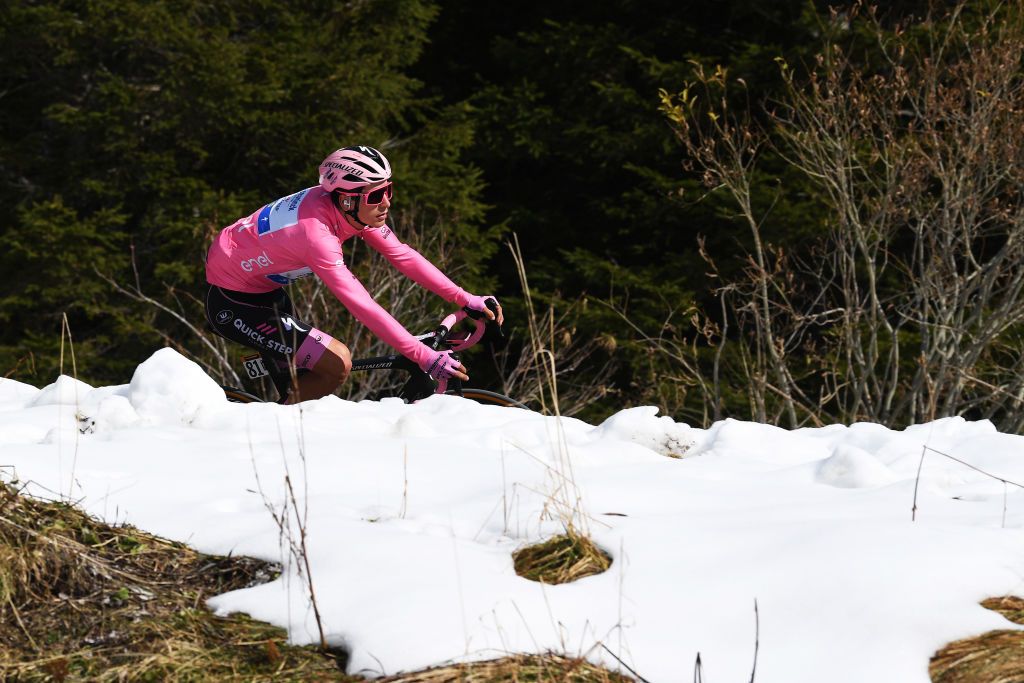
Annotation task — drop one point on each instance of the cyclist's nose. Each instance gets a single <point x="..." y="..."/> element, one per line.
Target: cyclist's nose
<point x="386" y="202"/>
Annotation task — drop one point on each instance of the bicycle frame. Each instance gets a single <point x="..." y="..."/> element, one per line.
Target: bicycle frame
<point x="420" y="384"/>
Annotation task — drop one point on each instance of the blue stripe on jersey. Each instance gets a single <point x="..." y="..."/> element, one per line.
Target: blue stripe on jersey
<point x="263" y="222"/>
<point x="283" y="213"/>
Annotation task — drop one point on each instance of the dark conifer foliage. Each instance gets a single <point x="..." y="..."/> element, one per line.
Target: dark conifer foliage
<point x="133" y="130"/>
<point x="577" y="157"/>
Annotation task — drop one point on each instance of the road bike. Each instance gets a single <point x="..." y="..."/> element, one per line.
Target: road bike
<point x="419" y="384"/>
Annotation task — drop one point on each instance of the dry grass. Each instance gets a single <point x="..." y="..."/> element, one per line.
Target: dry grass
<point x="993" y="657"/>
<point x="1010" y="606"/>
<point x="516" y="669"/>
<point x="561" y="559"/>
<point x="84" y="601"/>
<point x="81" y="600"/>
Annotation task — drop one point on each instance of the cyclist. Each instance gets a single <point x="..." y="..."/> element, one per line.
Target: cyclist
<point x="251" y="260"/>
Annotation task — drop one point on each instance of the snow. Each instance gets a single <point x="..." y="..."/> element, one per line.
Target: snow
<point x="412" y="513"/>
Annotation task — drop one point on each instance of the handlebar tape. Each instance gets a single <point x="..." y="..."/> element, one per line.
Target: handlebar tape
<point x="493" y="334"/>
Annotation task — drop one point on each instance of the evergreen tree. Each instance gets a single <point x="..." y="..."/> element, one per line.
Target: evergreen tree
<point x="580" y="162"/>
<point x="131" y="131"/>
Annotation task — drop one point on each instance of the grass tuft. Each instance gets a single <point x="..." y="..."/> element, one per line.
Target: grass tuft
<point x="561" y="559"/>
<point x="1010" y="606"/>
<point x="515" y="669"/>
<point x="993" y="657"/>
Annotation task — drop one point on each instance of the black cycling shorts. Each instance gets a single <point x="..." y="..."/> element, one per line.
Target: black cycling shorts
<point x="265" y="322"/>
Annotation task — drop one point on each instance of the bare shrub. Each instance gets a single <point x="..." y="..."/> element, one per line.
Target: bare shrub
<point x="908" y="306"/>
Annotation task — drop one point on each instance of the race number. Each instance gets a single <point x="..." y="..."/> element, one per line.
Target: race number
<point x="254" y="366"/>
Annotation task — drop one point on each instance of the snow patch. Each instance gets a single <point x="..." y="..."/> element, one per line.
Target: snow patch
<point x="66" y="391"/>
<point x="169" y="388"/>
<point x="16" y="393"/>
<point x="640" y="425"/>
<point x="414" y="511"/>
<point x="768" y="444"/>
<point x="852" y="467"/>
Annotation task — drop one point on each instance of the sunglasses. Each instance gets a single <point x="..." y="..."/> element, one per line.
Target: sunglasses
<point x="375" y="196"/>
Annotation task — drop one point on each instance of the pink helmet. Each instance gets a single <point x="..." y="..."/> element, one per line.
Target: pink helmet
<point x="350" y="168"/>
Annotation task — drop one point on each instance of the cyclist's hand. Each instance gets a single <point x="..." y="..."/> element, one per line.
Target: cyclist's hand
<point x="442" y="365"/>
<point x="479" y="303"/>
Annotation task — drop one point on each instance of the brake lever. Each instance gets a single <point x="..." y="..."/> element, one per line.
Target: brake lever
<point x="439" y="337"/>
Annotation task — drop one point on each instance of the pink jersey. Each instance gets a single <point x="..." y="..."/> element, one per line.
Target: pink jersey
<point x="301" y="235"/>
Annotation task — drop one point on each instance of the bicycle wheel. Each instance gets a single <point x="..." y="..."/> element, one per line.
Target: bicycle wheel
<point x="489" y="398"/>
<point x="236" y="395"/>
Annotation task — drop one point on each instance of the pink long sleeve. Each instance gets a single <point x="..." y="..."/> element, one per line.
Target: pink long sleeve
<point x="325" y="259"/>
<point x="413" y="265"/>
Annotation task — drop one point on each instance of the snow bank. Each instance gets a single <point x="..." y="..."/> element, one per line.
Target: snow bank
<point x="852" y="467"/>
<point x="413" y="512"/>
<point x="16" y="394"/>
<point x="641" y="426"/>
<point x="171" y="389"/>
<point x="66" y="391"/>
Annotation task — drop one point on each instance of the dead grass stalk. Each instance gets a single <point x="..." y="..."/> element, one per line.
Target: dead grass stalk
<point x="573" y="554"/>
